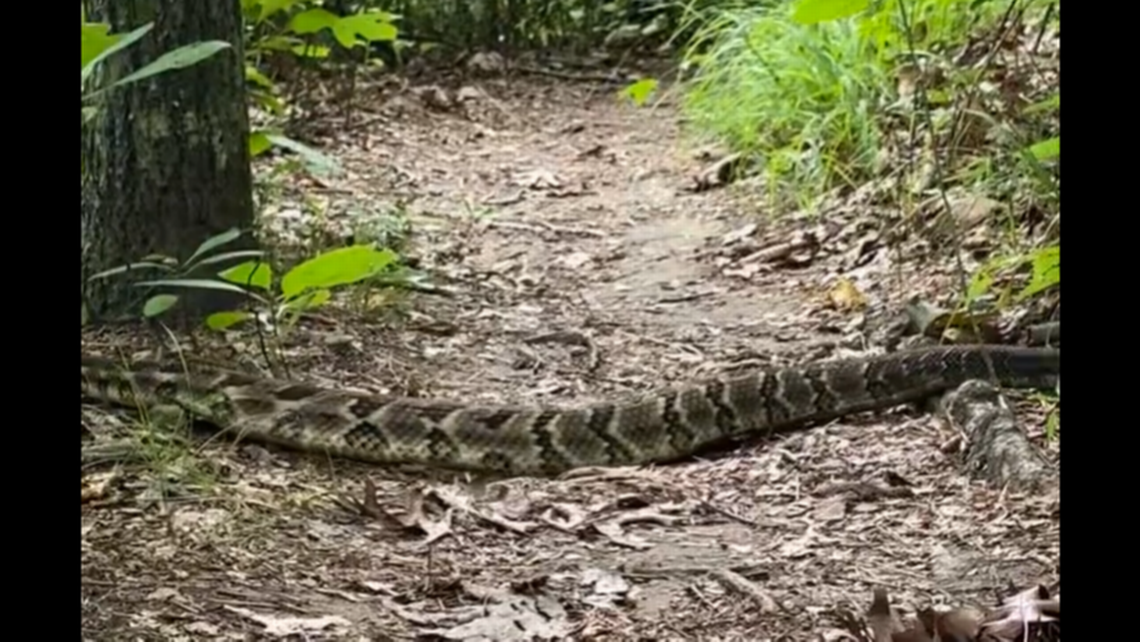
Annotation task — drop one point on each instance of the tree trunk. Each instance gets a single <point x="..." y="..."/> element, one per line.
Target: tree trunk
<point x="166" y="161"/>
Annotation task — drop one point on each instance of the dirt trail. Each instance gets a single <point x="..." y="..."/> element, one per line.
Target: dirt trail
<point x="580" y="269"/>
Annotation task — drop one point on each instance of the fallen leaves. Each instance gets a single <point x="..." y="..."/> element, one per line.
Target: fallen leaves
<point x="502" y="615"/>
<point x="284" y="626"/>
<point x="758" y="543"/>
<point x="1026" y="616"/>
<point x="422" y="514"/>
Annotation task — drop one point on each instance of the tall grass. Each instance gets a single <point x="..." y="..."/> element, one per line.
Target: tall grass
<point x="804" y="99"/>
<point x="809" y="101"/>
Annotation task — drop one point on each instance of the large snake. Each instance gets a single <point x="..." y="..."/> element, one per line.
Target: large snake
<point x="661" y="426"/>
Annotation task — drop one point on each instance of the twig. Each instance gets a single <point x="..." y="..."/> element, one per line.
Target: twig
<point x="724" y="513"/>
<point x="737" y="582"/>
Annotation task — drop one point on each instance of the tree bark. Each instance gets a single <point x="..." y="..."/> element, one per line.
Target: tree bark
<point x="166" y="161"/>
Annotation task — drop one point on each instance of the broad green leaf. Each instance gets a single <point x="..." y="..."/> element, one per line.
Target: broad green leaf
<point x="640" y="91"/>
<point x="364" y="28"/>
<point x="1047" y="265"/>
<point x="313" y="20"/>
<point x="255" y="274"/>
<point x="270" y="7"/>
<point x="812" y="11"/>
<point x="214" y="241"/>
<point x="1046" y="271"/>
<point x="336" y="267"/>
<point x="158" y="304"/>
<point x="130" y="266"/>
<point x="315" y="162"/>
<point x="258" y="143"/>
<point x="179" y="58"/>
<point x="224" y="320"/>
<point x="307" y="301"/>
<point x="95" y="37"/>
<point x="1046" y="149"/>
<point x="124" y="41"/>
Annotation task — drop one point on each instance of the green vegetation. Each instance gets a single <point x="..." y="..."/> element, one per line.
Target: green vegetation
<point x="805" y="98"/>
<point x="816" y="101"/>
<point x="859" y="128"/>
<point x="820" y="93"/>
<point x="912" y="94"/>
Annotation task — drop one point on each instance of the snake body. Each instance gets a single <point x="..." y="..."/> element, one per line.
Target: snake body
<point x="661" y="426"/>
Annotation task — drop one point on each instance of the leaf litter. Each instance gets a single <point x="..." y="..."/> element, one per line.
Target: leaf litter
<point x="609" y="279"/>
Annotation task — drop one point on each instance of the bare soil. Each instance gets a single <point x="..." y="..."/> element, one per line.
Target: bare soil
<point x="578" y="267"/>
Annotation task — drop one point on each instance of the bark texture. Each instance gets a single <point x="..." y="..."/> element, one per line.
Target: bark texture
<point x="166" y="161"/>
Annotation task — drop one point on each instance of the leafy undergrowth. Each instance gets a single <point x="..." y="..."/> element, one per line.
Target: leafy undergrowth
<point x="822" y="102"/>
<point x="564" y="277"/>
<point x="938" y="118"/>
<point x="804" y="98"/>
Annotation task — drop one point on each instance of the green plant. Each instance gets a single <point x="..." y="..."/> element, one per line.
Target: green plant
<point x="179" y="270"/>
<point x="803" y="98"/>
<point x="261" y="140"/>
<point x="1044" y="265"/>
<point x="640" y="91"/>
<point x="97" y="43"/>
<point x="303" y="288"/>
<point x="304" y="31"/>
<point x="273" y="27"/>
<point x="276" y="302"/>
<point x="1049" y="148"/>
<point x="882" y="25"/>
<point x="292" y="26"/>
<point x="809" y="87"/>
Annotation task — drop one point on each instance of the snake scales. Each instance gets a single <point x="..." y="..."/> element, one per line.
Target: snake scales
<point x="662" y="426"/>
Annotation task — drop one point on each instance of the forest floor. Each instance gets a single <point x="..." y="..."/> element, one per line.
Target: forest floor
<point x="580" y="265"/>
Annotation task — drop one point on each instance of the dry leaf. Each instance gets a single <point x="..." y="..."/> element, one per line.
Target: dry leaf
<point x="846" y="297"/>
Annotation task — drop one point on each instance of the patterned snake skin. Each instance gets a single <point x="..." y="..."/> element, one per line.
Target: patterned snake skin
<point x="662" y="426"/>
